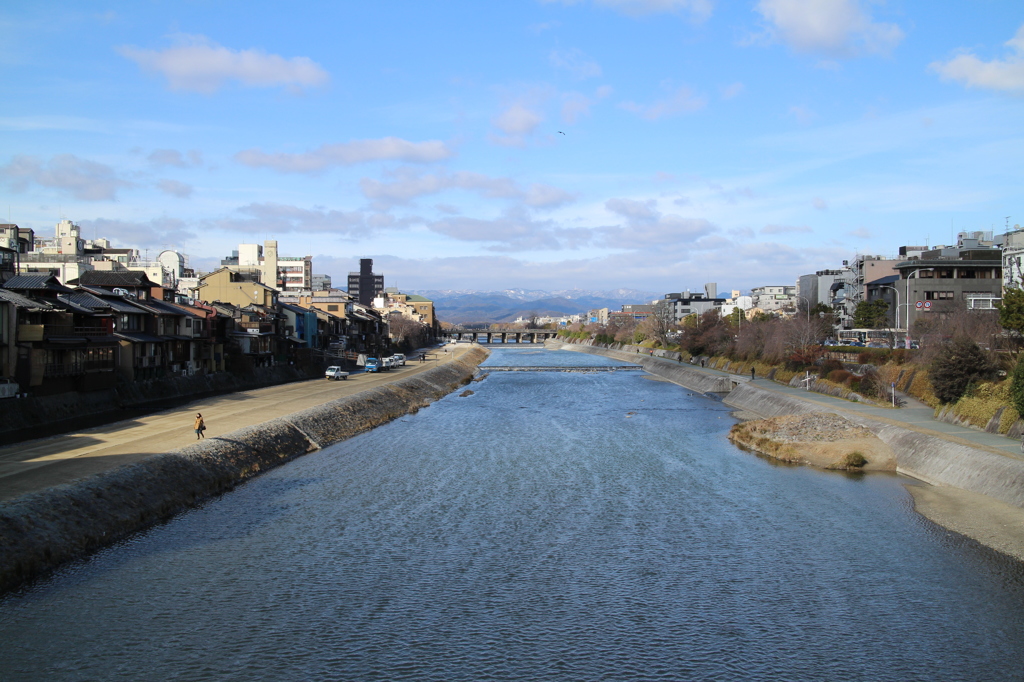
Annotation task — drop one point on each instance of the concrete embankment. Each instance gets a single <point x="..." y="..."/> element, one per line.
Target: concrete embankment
<point x="688" y="377"/>
<point x="41" y="531"/>
<point x="930" y="458"/>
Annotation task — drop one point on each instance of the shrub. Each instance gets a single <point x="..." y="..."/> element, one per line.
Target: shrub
<point x="871" y="385"/>
<point x="958" y="364"/>
<point x="854" y="460"/>
<point x="828" y="366"/>
<point x="839" y="376"/>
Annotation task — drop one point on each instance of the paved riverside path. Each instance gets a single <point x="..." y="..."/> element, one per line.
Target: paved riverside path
<point x="34" y="465"/>
<point x="916" y="416"/>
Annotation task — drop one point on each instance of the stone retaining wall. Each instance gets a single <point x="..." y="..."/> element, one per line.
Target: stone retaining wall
<point x="683" y="375"/>
<point x="41" y="531"/>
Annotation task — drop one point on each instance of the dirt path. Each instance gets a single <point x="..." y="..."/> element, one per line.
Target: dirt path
<point x="48" y="461"/>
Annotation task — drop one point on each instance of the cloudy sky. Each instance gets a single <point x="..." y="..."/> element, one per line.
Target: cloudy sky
<point x="652" y="144"/>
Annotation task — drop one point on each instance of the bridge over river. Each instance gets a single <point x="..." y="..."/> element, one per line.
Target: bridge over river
<point x="509" y="336"/>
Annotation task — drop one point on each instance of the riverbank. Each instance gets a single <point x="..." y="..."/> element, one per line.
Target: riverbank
<point x="42" y="530"/>
<point x="974" y="488"/>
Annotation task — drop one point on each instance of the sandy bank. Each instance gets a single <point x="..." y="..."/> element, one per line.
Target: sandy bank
<point x="820" y="439"/>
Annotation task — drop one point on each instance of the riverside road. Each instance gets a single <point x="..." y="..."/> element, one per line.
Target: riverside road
<point x="34" y="465"/>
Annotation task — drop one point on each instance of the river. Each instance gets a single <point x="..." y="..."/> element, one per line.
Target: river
<point x="550" y="526"/>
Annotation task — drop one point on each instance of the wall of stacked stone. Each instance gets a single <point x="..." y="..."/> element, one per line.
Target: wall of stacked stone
<point x="41" y="531"/>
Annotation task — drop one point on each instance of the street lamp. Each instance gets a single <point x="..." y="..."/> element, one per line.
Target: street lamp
<point x="897" y="311"/>
<point x="912" y="275"/>
<point x="808" y="307"/>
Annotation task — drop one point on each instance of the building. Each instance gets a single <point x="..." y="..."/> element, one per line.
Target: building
<point x="321" y="283"/>
<point x="365" y="285"/>
<point x="774" y="298"/>
<point x="1012" y="256"/>
<point x="681" y="305"/>
<point x="284" y="273"/>
<point x="237" y="288"/>
<point x="943" y="278"/>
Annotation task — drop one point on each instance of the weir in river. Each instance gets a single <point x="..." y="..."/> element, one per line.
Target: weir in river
<point x="549" y="526"/>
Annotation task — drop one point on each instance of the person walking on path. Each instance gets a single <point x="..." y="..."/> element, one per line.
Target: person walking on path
<point x="752" y="371"/>
<point x="200" y="426"/>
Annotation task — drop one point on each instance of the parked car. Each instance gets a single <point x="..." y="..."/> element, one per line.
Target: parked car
<point x="373" y="365"/>
<point x="389" y="362"/>
<point x="399" y="359"/>
<point x="8" y="388"/>
<point x="335" y="372"/>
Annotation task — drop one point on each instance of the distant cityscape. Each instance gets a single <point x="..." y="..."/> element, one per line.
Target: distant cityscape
<point x="78" y="314"/>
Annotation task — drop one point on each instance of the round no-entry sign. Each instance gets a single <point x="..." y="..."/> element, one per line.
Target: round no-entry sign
<point x="919" y="304"/>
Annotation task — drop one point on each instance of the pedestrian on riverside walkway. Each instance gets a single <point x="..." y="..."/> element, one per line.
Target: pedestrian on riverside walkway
<point x="752" y="371"/>
<point x="200" y="426"/>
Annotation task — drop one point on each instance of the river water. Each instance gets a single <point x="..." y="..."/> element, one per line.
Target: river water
<point x="551" y="526"/>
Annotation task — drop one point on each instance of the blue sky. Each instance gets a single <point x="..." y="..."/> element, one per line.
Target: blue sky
<point x="650" y="144"/>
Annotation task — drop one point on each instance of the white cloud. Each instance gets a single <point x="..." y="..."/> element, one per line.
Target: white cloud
<point x="802" y="114"/>
<point x="86" y="180"/>
<point x="175" y="188"/>
<point x="516" y="123"/>
<point x="154" y="234"/>
<point x="785" y="229"/>
<point x="834" y="28"/>
<point x="576" y="104"/>
<point x="699" y="10"/>
<point x="271" y="218"/>
<point x="732" y="90"/>
<point x="172" y="157"/>
<point x="681" y="101"/>
<point x="1006" y="75"/>
<point x="347" y="154"/>
<point x="861" y="233"/>
<point x="820" y="204"/>
<point x="515" y="230"/>
<point x="648" y="228"/>
<point x="576" y="63"/>
<point x="407" y="185"/>
<point x="201" y="65"/>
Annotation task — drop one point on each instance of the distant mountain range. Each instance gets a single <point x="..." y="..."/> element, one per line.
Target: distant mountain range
<point x="469" y="307"/>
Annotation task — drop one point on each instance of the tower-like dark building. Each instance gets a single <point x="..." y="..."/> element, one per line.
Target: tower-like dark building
<point x="364" y="285"/>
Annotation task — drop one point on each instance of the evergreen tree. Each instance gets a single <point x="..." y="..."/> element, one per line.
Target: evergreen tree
<point x="959" y="364"/>
<point x="1017" y="388"/>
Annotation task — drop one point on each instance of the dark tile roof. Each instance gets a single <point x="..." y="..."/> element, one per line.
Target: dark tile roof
<point x="107" y="278"/>
<point x="35" y="283"/>
<point x="23" y="301"/>
<point x="85" y="299"/>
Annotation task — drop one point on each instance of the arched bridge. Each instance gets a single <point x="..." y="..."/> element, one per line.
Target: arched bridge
<point x="508" y="336"/>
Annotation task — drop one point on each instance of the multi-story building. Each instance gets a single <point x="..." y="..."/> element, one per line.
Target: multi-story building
<point x="680" y="305"/>
<point x="774" y="297"/>
<point x="284" y="273"/>
<point x="365" y="285"/>
<point x="942" y="278"/>
<point x="1013" y="255"/>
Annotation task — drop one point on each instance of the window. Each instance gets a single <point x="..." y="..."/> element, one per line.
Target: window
<point x="332" y="308"/>
<point x="938" y="295"/>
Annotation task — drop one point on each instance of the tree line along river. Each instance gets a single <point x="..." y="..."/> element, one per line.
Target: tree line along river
<point x="550" y="526"/>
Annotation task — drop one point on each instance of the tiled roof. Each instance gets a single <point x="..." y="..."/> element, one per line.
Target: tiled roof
<point x="23" y="301"/>
<point x="35" y="282"/>
<point x="107" y="278"/>
<point x="85" y="299"/>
